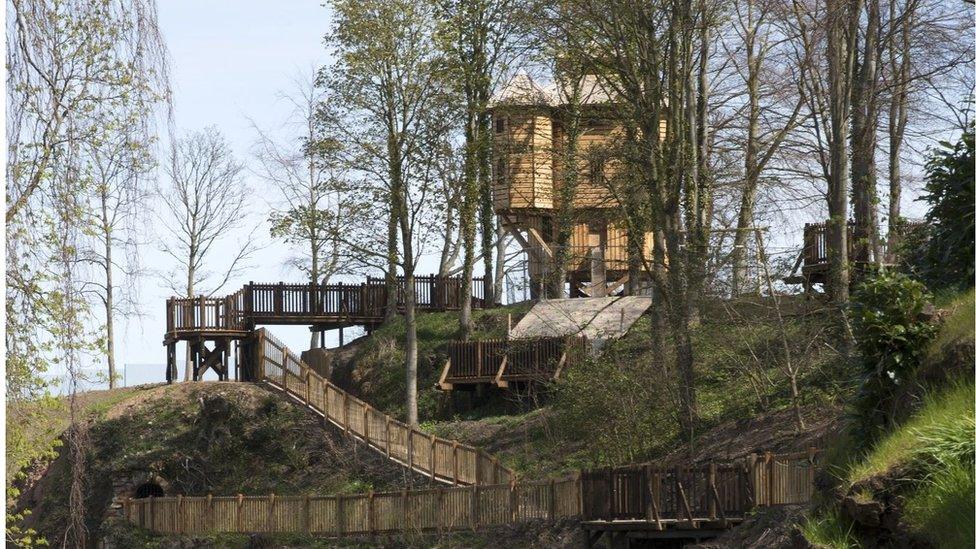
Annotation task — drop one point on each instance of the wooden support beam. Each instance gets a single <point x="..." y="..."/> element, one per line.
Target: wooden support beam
<point x="441" y="383"/>
<point x="501" y="371"/>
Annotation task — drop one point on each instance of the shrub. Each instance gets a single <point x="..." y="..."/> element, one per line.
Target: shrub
<point x="892" y="337"/>
<point x="947" y="257"/>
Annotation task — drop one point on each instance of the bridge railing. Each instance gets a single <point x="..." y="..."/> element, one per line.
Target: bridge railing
<point x="443" y="509"/>
<point x="444" y="460"/>
<point x="710" y="492"/>
<point x="284" y="303"/>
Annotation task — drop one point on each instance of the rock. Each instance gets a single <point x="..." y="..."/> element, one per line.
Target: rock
<point x="866" y="513"/>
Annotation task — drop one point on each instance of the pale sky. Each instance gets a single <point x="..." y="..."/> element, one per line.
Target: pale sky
<point x="230" y="61"/>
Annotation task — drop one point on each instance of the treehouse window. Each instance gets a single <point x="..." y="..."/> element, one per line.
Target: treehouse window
<point x="499" y="125"/>
<point x="597" y="165"/>
<point x="500" y="168"/>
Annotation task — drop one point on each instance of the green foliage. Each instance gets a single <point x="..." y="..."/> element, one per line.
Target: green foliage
<point x="939" y="433"/>
<point x="892" y="338"/>
<point x="948" y="258"/>
<point x="941" y="509"/>
<point x="829" y="528"/>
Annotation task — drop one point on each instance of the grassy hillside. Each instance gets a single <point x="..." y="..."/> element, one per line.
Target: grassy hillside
<point x="620" y="407"/>
<point x="219" y="438"/>
<point x="915" y="484"/>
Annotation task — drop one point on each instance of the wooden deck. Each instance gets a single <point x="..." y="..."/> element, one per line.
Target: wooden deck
<point x="501" y="362"/>
<point x="213" y="327"/>
<point x="811" y="266"/>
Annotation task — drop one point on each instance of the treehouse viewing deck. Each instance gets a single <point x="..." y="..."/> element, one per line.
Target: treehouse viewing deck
<point x="811" y="266"/>
<point x="215" y="327"/>
<point x="322" y="306"/>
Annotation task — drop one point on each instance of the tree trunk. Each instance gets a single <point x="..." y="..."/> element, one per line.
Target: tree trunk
<point x="467" y="221"/>
<point x="840" y="66"/>
<point x="864" y="139"/>
<point x="486" y="212"/>
<point x="897" y="121"/>
<point x="750" y="181"/>
<point x="499" y="279"/>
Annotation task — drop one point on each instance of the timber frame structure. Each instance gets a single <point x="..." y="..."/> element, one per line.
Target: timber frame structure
<point x="528" y="157"/>
<point x="218" y="330"/>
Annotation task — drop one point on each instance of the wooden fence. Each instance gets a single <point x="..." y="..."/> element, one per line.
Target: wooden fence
<point x="447" y="461"/>
<point x="715" y="491"/>
<point x="443" y="509"/>
<point x="501" y="361"/>
<point x="280" y="303"/>
<point x="640" y="494"/>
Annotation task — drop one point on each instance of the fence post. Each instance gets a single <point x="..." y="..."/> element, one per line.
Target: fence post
<point x="578" y="483"/>
<point x="552" y="499"/>
<point x="454" y="467"/>
<point x="512" y="501"/>
<point x="433" y="456"/>
<point x="307" y="515"/>
<point x="405" y="505"/>
<point x="770" y="485"/>
<point x="712" y="489"/>
<point x="475" y="507"/>
<point x="270" y="516"/>
<point x="410" y="447"/>
<point x="237" y="517"/>
<point x="178" y="515"/>
<point x="345" y="411"/>
<point x="366" y="424"/>
<point x="210" y="524"/>
<point x="340" y="515"/>
<point x="370" y="515"/>
<point x="440" y="510"/>
<point x="387" y="436"/>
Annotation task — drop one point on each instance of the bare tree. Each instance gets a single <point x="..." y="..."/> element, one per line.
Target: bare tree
<point x="205" y="201"/>
<point x="313" y="187"/>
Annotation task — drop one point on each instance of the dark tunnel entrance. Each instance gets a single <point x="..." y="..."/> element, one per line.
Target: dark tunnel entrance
<point x="149" y="489"/>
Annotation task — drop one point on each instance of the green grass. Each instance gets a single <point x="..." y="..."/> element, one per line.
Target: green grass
<point x="829" y="529"/>
<point x="957" y="328"/>
<point x="940" y="432"/>
<point x="941" y="509"/>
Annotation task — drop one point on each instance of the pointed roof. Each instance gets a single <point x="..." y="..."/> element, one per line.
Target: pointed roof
<point x="521" y="90"/>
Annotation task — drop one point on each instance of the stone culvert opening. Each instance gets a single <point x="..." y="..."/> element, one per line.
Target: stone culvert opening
<point x="149" y="489"/>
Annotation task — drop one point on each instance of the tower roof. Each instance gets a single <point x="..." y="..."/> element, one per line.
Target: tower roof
<point x="521" y="90"/>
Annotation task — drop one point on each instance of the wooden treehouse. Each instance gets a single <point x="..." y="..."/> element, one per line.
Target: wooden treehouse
<point x="528" y="168"/>
<point x="812" y="267"/>
<point x="217" y="329"/>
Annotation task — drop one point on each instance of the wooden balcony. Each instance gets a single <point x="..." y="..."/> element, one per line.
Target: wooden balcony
<point x="325" y="306"/>
<point x="501" y="362"/>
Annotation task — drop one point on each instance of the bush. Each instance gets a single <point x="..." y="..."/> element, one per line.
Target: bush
<point x="946" y="259"/>
<point x="892" y="337"/>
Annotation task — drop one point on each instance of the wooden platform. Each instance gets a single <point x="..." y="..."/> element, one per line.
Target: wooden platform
<point x="225" y="323"/>
<point x="502" y="362"/>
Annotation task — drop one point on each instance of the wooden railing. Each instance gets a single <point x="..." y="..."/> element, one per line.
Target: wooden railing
<point x="712" y="492"/>
<point x="502" y="360"/>
<point x="444" y="509"/>
<point x="815" y="241"/>
<point x="447" y="461"/>
<point x="281" y="303"/>
<point x="721" y="494"/>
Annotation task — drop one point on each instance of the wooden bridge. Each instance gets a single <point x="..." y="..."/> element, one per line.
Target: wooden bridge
<point x="640" y="501"/>
<point x="214" y="326"/>
<point x="501" y="362"/>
